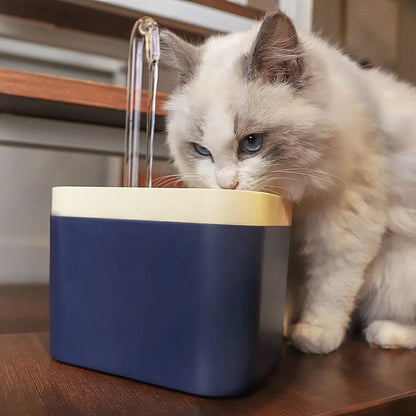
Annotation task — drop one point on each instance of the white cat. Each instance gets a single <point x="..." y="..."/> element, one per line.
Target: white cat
<point x="272" y="110"/>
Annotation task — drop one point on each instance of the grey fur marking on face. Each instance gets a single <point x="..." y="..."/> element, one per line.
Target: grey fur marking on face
<point x="179" y="54"/>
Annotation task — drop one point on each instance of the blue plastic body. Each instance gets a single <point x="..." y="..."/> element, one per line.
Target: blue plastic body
<point x="193" y="307"/>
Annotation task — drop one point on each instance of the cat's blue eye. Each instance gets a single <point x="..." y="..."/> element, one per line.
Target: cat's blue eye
<point x="251" y="143"/>
<point x="203" y="151"/>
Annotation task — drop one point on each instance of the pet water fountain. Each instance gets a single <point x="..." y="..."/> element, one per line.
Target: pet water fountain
<point x="182" y="288"/>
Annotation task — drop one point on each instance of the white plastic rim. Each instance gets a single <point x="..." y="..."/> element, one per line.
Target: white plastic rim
<point x="201" y="206"/>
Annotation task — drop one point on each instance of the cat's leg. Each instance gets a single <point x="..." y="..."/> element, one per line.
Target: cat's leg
<point x="340" y="243"/>
<point x="388" y="295"/>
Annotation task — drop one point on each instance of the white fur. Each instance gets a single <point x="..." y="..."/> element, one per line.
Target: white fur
<point x="355" y="184"/>
<point x="390" y="334"/>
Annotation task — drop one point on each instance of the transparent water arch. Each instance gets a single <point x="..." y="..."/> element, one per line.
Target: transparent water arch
<point x="144" y="38"/>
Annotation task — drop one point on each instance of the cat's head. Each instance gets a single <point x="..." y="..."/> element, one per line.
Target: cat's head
<point x="242" y="115"/>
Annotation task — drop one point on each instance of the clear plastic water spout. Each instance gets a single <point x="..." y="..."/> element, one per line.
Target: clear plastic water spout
<point x="144" y="36"/>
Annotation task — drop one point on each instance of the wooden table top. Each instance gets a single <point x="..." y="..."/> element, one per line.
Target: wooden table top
<point x="355" y="380"/>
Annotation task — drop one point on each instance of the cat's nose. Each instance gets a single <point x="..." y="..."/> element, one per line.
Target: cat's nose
<point x="227" y="177"/>
<point x="231" y="186"/>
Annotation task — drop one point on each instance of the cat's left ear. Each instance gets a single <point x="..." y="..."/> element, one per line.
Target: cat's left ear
<point x="277" y="54"/>
<point x="179" y="54"/>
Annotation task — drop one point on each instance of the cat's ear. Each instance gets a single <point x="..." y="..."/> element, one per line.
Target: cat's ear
<point x="276" y="55"/>
<point x="179" y="54"/>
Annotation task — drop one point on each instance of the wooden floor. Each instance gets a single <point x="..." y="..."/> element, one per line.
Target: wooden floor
<point x="355" y="380"/>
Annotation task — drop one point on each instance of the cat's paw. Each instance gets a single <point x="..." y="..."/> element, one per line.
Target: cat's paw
<point x="316" y="339"/>
<point x="390" y="334"/>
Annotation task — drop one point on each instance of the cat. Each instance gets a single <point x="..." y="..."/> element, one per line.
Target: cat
<point x="274" y="110"/>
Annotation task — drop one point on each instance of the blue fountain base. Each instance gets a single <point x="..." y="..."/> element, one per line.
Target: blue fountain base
<point x="193" y="307"/>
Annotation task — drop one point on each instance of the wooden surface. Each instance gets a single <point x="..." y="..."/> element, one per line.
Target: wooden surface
<point x="49" y="96"/>
<point x="355" y="380"/>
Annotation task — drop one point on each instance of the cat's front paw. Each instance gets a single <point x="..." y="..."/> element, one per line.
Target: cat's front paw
<point x="316" y="339"/>
<point x="390" y="334"/>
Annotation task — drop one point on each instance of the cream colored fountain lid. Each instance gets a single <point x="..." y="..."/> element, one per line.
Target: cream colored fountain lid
<point x="202" y="206"/>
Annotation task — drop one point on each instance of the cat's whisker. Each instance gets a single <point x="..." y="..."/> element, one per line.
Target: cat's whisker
<point x="281" y="191"/>
<point x="159" y="182"/>
<point x="270" y="184"/>
<point x="294" y="171"/>
<point x="173" y="179"/>
<point x="305" y="169"/>
<point x="164" y="184"/>
<point x="165" y="180"/>
<point x="276" y="178"/>
<point x="274" y="188"/>
<point x="167" y="177"/>
<point x="310" y="171"/>
<point x="310" y="175"/>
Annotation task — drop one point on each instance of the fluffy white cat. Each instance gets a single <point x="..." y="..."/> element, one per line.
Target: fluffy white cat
<point x="274" y="110"/>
